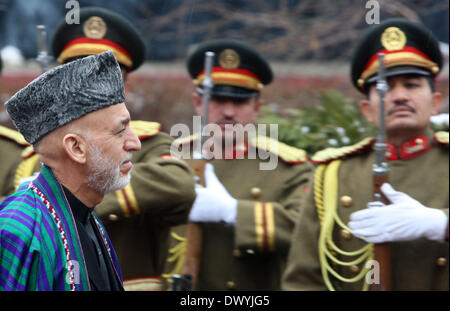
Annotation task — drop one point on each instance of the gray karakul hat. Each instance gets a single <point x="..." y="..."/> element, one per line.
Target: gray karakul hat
<point x="66" y="93"/>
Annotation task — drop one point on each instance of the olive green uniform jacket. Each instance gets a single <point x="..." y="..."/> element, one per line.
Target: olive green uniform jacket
<point x="250" y="255"/>
<point x="321" y="255"/>
<point x="138" y="217"/>
<point x="12" y="144"/>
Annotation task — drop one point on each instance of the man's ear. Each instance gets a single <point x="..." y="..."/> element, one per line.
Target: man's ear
<point x="76" y="148"/>
<point x="258" y="104"/>
<point x="436" y="102"/>
<point x="197" y="102"/>
<point x="367" y="110"/>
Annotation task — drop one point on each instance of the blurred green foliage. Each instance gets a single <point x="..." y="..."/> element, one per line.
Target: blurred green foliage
<point x="335" y="122"/>
<point x="440" y="124"/>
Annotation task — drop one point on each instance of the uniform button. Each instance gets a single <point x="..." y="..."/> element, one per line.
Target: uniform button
<point x="231" y="285"/>
<point x="360" y="82"/>
<point x="255" y="192"/>
<point x="435" y="69"/>
<point x="113" y="217"/>
<point x="441" y="262"/>
<point x="237" y="253"/>
<point x="345" y="234"/>
<point x="346" y="201"/>
<point x="354" y="269"/>
<point x="250" y="251"/>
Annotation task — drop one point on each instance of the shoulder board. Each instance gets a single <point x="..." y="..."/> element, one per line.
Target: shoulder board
<point x="27" y="152"/>
<point x="185" y="140"/>
<point x="285" y="152"/>
<point x="13" y="135"/>
<point x="145" y="129"/>
<point x="330" y="154"/>
<point x="441" y="137"/>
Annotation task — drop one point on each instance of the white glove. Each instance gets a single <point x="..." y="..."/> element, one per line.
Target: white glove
<point x="213" y="202"/>
<point x="405" y="219"/>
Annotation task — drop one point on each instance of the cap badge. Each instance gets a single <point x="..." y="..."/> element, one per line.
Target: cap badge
<point x="393" y="39"/>
<point x="229" y="59"/>
<point x="94" y="28"/>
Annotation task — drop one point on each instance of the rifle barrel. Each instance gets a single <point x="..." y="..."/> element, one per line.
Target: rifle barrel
<point x="382" y="253"/>
<point x="42" y="57"/>
<point x="380" y="145"/>
<point x="207" y="88"/>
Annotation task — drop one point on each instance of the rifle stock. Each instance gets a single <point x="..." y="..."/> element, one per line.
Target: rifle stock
<point x="194" y="234"/>
<point x="382" y="251"/>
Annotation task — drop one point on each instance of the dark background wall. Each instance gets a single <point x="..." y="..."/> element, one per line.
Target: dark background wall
<point x="308" y="42"/>
<point x="285" y="30"/>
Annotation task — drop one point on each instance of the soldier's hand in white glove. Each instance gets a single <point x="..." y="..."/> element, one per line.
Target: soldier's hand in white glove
<point x="213" y="202"/>
<point x="404" y="219"/>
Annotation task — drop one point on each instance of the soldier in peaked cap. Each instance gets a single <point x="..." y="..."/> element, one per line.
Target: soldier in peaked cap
<point x="161" y="192"/>
<point x="99" y="30"/>
<point x="332" y="241"/>
<point x="239" y="71"/>
<point x="247" y="213"/>
<point x="75" y="117"/>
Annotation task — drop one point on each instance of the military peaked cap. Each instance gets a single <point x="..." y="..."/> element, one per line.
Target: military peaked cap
<point x="99" y="30"/>
<point x="410" y="48"/>
<point x="66" y="93"/>
<point x="238" y="69"/>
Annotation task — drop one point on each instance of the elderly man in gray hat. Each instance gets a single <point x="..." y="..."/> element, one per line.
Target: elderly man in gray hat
<point x="76" y="119"/>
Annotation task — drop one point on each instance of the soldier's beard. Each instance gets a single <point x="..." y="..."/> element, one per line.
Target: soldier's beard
<point x="104" y="173"/>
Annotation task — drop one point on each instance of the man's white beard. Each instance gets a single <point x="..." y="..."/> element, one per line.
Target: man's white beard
<point x="104" y="174"/>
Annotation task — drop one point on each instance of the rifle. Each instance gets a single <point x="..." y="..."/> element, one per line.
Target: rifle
<point x="43" y="58"/>
<point x="380" y="170"/>
<point x="194" y="233"/>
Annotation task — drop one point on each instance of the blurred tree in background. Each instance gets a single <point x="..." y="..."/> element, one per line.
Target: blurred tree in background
<point x="308" y="43"/>
<point x="283" y="30"/>
<point x="336" y="121"/>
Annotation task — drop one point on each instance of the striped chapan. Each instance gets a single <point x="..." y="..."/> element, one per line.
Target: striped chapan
<point x="39" y="244"/>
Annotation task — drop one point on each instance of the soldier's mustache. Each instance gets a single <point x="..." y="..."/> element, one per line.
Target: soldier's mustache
<point x="400" y="104"/>
<point x="227" y="121"/>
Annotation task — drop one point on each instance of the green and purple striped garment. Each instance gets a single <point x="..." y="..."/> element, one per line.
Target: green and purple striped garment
<point x="39" y="245"/>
